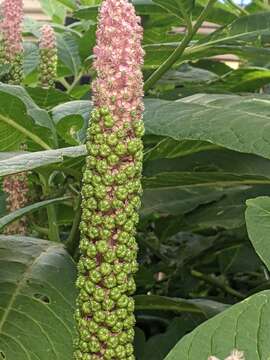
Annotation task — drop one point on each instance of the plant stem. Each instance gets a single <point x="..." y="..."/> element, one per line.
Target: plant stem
<point x="73" y="239"/>
<point x="179" y="50"/>
<point x="214" y="281"/>
<point x="239" y="8"/>
<point x="53" y="234"/>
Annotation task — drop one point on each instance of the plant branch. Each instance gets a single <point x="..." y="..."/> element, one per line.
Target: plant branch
<point x="214" y="281"/>
<point x="237" y="7"/>
<point x="51" y="212"/>
<point x="72" y="241"/>
<point x="179" y="50"/>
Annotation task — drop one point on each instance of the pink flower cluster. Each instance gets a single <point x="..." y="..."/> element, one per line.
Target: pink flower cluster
<point x="235" y="355"/>
<point x="118" y="59"/>
<point x="48" y="39"/>
<point x="12" y="13"/>
<point x="16" y="189"/>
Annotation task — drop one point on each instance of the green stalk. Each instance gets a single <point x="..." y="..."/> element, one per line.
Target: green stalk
<point x="179" y="50"/>
<point x="53" y="234"/>
<point x="237" y="7"/>
<point x="74" y="236"/>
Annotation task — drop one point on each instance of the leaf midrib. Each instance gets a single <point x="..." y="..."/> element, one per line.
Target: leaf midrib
<point x="24" y="131"/>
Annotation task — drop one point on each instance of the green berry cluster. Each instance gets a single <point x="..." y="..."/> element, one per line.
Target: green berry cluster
<point x="48" y="67"/>
<point x="110" y="202"/>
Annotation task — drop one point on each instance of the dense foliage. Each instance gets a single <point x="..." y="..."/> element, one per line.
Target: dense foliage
<point x="204" y="254"/>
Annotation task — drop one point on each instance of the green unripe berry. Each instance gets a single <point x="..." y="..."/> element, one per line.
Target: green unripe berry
<point x="122" y="302"/>
<point x="121" y="193"/>
<point x="95" y="276"/>
<point x="110" y="256"/>
<point x="104" y="150"/>
<point x="99" y="139"/>
<point x="103" y="334"/>
<point x="108" y="304"/>
<point x="118" y="327"/>
<point x="115" y="294"/>
<point x="120" y="149"/>
<point x="93" y="327"/>
<point x="102" y="246"/>
<point x="105" y="269"/>
<point x="109" y="354"/>
<point x="113" y="159"/>
<point x="99" y="294"/>
<point x="112" y="139"/>
<point x="134" y="145"/>
<point x="95" y="306"/>
<point x="108" y="121"/>
<point x="102" y="166"/>
<point x="104" y="205"/>
<point x="91" y="250"/>
<point x="86" y="308"/>
<point x="94" y="345"/>
<point x="100" y="316"/>
<point x="113" y="342"/>
<point x="89" y="287"/>
<point x="111" y="320"/>
<point x="110" y="281"/>
<point x="104" y="111"/>
<point x="120" y="352"/>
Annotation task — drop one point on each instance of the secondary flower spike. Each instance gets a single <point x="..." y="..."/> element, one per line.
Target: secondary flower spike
<point x="48" y="56"/>
<point x="111" y="190"/>
<point x="11" y="38"/>
<point x="16" y="189"/>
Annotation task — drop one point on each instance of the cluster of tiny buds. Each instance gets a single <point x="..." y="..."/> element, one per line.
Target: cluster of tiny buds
<point x="235" y="355"/>
<point x="16" y="189"/>
<point x="110" y="202"/>
<point x="48" y="56"/>
<point x="11" y="38"/>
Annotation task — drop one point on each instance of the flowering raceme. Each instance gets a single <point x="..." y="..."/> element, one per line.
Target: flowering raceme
<point x="11" y="37"/>
<point x="48" y="56"/>
<point x="16" y="189"/>
<point x="111" y="190"/>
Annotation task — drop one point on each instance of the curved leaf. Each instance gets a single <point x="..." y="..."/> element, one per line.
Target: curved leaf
<point x="36" y="301"/>
<point x="258" y="223"/>
<point x="244" y="326"/>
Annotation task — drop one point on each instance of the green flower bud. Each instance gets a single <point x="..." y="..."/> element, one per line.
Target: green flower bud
<point x="103" y="334"/>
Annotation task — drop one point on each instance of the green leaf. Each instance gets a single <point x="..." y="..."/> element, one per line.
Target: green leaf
<point x="70" y="4"/>
<point x="258" y="222"/>
<point x="234" y="122"/>
<point x="21" y="119"/>
<point x="207" y="308"/>
<point x="244" y="326"/>
<point x="177" y="7"/>
<point x="68" y="52"/>
<point x="48" y="98"/>
<point x="15" y="215"/>
<point x="12" y="163"/>
<point x="54" y="9"/>
<point x="37" y="299"/>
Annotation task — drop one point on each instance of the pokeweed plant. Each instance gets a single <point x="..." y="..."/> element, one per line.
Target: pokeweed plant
<point x="111" y="189"/>
<point x="48" y="57"/>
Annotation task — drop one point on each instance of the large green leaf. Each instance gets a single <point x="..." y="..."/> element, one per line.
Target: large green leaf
<point x="55" y="9"/>
<point x="207" y="308"/>
<point x="68" y="52"/>
<point x="177" y="7"/>
<point x="37" y="300"/>
<point x="258" y="223"/>
<point x="234" y="122"/>
<point x="244" y="326"/>
<point x="21" y="119"/>
<point x="12" y="163"/>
